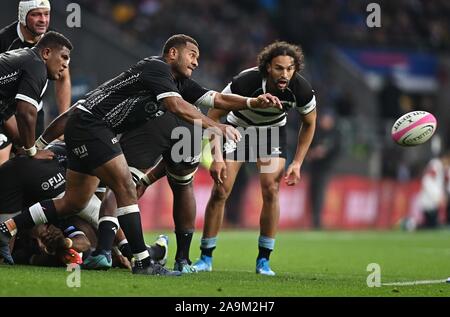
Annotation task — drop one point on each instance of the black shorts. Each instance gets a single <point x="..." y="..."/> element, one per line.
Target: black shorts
<point x="145" y="145"/>
<point x="256" y="142"/>
<point x="90" y="142"/>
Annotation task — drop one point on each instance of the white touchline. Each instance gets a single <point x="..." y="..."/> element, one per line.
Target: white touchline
<point x="415" y="282"/>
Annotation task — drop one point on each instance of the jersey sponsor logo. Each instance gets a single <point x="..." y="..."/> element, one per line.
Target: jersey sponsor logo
<point x="55" y="182"/>
<point x="276" y="150"/>
<point x="114" y="140"/>
<point x="159" y="113"/>
<point x="192" y="159"/>
<point x="229" y="146"/>
<point x="3" y="139"/>
<point x="81" y="151"/>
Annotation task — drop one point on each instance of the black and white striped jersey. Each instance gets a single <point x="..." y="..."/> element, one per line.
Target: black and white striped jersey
<point x="135" y="96"/>
<point x="23" y="76"/>
<point x="250" y="83"/>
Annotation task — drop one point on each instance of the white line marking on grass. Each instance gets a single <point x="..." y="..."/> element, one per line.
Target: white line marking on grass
<point x="416" y="282"/>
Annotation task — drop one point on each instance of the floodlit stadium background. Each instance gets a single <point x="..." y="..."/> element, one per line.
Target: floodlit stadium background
<point x="374" y="183"/>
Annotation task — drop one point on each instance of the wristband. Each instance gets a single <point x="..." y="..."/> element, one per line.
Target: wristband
<point x="31" y="151"/>
<point x="69" y="243"/>
<point x="249" y="105"/>
<point x="41" y="143"/>
<point x="145" y="180"/>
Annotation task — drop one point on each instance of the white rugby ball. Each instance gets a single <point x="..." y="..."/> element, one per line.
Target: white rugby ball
<point x="414" y="128"/>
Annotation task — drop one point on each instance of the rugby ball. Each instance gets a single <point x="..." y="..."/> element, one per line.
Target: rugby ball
<point x="414" y="128"/>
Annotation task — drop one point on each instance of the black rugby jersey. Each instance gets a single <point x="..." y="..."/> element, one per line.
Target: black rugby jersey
<point x="26" y="181"/>
<point x="23" y="76"/>
<point x="11" y="38"/>
<point x="135" y="96"/>
<point x="250" y="83"/>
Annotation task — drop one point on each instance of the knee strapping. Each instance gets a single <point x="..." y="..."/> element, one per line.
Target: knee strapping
<point x="122" y="211"/>
<point x="136" y="174"/>
<point x="180" y="180"/>
<point x="111" y="219"/>
<point x="37" y="214"/>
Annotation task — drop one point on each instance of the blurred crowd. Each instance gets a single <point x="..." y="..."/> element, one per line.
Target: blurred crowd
<point x="420" y="24"/>
<point x="232" y="32"/>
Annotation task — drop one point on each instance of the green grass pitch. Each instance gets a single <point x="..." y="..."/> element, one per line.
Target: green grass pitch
<point x="306" y="263"/>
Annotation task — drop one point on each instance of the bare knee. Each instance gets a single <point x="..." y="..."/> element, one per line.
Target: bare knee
<point x="270" y="191"/>
<point x="125" y="193"/>
<point x="220" y="193"/>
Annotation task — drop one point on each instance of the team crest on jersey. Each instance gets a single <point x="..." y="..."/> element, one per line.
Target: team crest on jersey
<point x="151" y="107"/>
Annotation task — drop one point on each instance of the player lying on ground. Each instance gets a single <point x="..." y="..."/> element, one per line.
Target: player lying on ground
<point x="31" y="180"/>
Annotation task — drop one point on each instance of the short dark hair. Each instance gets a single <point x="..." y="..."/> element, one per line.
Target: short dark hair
<point x="178" y="40"/>
<point x="54" y="39"/>
<point x="280" y="48"/>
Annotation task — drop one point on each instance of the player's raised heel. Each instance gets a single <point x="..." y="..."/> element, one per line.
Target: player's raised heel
<point x="154" y="269"/>
<point x="204" y="264"/>
<point x="163" y="242"/>
<point x="5" y="253"/>
<point x="263" y="268"/>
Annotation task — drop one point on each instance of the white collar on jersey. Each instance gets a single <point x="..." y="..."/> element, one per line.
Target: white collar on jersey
<point x="19" y="32"/>
<point x="264" y="84"/>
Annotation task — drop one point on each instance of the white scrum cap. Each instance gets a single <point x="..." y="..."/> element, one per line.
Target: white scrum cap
<point x="26" y="6"/>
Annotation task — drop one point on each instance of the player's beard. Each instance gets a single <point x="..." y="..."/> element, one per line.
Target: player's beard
<point x="179" y="67"/>
<point x="284" y="81"/>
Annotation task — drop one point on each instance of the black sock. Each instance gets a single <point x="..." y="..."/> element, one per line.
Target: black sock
<point x="264" y="253"/>
<point x="131" y="226"/>
<point x="25" y="221"/>
<point x="143" y="263"/>
<point x="207" y="251"/>
<point x="106" y="233"/>
<point x="126" y="251"/>
<point x="184" y="239"/>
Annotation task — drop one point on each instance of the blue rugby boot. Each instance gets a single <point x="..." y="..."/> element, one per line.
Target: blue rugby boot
<point x="204" y="264"/>
<point x="263" y="268"/>
<point x="101" y="261"/>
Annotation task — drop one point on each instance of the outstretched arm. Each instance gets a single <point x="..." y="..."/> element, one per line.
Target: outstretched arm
<point x="233" y="102"/>
<point x="186" y="111"/>
<point x="54" y="130"/>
